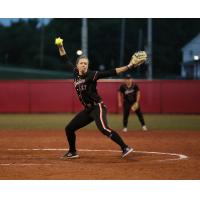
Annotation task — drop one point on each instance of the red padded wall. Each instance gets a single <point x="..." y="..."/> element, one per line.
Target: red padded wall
<point x="180" y="96"/>
<point x="14" y="97"/>
<point x="150" y="96"/>
<point x="49" y="96"/>
<point x="108" y="91"/>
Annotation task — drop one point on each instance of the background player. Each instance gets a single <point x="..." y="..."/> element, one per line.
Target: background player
<point x="130" y="93"/>
<point x="85" y="82"/>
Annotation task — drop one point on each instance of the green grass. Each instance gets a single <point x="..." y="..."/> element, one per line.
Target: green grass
<point x="58" y="122"/>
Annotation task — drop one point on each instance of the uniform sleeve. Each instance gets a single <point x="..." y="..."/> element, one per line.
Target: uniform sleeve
<point x="136" y="88"/>
<point x="69" y="64"/>
<point x="91" y="75"/>
<point x="104" y="74"/>
<point x="75" y="72"/>
<point x="121" y="89"/>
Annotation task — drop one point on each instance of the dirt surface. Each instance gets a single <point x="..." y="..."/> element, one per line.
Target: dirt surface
<point x="36" y="155"/>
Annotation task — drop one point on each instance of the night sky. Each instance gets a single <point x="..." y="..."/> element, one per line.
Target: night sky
<point x="7" y="21"/>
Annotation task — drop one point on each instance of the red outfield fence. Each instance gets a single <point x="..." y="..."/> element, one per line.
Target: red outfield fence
<point x="158" y="96"/>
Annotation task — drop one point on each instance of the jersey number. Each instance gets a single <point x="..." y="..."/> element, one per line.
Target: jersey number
<point x="83" y="87"/>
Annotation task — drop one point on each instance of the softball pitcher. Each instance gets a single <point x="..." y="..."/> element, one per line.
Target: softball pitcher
<point x="85" y="82"/>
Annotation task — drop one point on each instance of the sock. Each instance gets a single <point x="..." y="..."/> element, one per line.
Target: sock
<point x="117" y="139"/>
<point x="71" y="137"/>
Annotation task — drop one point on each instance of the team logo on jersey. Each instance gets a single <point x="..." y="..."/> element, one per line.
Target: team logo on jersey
<point x="79" y="82"/>
<point x="129" y="91"/>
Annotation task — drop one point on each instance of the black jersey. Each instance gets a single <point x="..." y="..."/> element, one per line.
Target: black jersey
<point x="85" y="85"/>
<point x="129" y="94"/>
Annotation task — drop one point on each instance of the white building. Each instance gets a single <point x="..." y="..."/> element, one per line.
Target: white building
<point x="191" y="59"/>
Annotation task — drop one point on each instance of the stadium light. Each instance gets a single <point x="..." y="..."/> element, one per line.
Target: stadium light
<point x="196" y="66"/>
<point x="196" y="57"/>
<point x="79" y="52"/>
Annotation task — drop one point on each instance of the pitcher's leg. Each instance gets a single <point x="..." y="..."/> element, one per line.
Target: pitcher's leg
<point x="99" y="115"/>
<point x="80" y="120"/>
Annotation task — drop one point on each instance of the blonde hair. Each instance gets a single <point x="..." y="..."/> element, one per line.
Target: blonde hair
<point x="81" y="57"/>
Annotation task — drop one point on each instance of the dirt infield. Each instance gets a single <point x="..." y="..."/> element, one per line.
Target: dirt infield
<point x="158" y="155"/>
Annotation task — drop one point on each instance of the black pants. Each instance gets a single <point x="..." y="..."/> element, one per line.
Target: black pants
<point x="126" y="113"/>
<point x="98" y="114"/>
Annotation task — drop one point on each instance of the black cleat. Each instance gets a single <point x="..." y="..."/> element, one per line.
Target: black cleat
<point x="126" y="151"/>
<point x="70" y="155"/>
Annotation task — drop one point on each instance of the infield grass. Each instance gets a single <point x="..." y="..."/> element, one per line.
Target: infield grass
<point x="59" y="121"/>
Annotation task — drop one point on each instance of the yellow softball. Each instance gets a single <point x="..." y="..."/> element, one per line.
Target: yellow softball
<point x="58" y="41"/>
